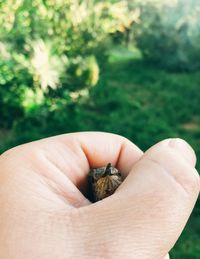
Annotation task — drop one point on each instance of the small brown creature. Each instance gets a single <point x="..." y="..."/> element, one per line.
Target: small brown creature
<point x="103" y="182"/>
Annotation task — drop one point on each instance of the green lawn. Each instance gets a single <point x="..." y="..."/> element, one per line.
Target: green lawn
<point x="135" y="100"/>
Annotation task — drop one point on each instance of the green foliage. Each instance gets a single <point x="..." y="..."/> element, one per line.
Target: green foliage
<point x="61" y="40"/>
<point x="82" y="72"/>
<point x="60" y="72"/>
<point x="188" y="246"/>
<point x="52" y="45"/>
<point x="169" y="33"/>
<point x="14" y="80"/>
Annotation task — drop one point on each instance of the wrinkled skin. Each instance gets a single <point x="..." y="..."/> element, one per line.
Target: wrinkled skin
<point x="45" y="214"/>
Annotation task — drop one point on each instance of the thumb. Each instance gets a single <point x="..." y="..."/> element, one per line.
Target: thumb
<point x="148" y="212"/>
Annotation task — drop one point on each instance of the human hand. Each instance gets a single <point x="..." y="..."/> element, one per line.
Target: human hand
<point x="44" y="213"/>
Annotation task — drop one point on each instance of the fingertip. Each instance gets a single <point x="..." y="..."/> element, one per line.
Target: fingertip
<point x="180" y="146"/>
<point x="128" y="156"/>
<point x="184" y="149"/>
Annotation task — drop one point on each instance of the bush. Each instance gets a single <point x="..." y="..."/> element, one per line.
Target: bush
<point x="61" y="41"/>
<point x="169" y="33"/>
<point x="53" y="46"/>
<point x="14" y="80"/>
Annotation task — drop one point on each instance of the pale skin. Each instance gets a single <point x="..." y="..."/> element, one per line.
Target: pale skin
<point x="44" y="213"/>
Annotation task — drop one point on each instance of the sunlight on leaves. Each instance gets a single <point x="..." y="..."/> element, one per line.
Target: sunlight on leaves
<point x="46" y="67"/>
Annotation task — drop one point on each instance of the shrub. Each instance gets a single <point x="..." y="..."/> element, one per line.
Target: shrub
<point x="14" y="80"/>
<point x="62" y="41"/>
<point x="53" y="46"/>
<point x="168" y="34"/>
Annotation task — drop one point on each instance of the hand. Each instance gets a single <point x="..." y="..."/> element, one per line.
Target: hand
<point x="44" y="213"/>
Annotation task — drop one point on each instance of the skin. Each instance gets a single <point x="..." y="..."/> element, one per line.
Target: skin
<point x="44" y="213"/>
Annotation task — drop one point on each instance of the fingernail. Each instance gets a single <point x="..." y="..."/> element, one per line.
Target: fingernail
<point x="184" y="149"/>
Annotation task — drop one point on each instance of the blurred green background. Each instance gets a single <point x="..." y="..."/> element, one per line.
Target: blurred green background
<point x="128" y="67"/>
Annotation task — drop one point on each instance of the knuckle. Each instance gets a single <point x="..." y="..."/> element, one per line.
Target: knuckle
<point x="193" y="179"/>
<point x="180" y="171"/>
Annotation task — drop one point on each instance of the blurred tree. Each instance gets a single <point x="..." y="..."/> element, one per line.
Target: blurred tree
<point x="61" y="39"/>
<point x="53" y="45"/>
<point x="169" y="33"/>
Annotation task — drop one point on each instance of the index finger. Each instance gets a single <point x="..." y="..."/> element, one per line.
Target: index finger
<point x="91" y="150"/>
<point x="74" y="154"/>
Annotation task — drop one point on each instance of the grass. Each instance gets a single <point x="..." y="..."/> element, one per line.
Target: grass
<point x="137" y="101"/>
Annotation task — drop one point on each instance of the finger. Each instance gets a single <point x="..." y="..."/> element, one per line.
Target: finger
<point x="176" y="159"/>
<point x="153" y="203"/>
<point x="74" y="154"/>
<point x="64" y="161"/>
<point x="96" y="149"/>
